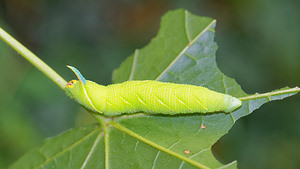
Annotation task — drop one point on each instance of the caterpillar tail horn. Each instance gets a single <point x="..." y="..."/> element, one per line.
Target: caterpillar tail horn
<point x="78" y="74"/>
<point x="80" y="95"/>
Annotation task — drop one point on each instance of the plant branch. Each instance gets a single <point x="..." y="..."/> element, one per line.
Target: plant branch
<point x="269" y="94"/>
<point x="33" y="59"/>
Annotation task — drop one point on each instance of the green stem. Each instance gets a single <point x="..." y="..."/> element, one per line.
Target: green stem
<point x="274" y="93"/>
<point x="33" y="59"/>
<point x="159" y="147"/>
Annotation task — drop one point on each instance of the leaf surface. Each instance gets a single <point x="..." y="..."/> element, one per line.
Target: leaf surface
<point x="182" y="52"/>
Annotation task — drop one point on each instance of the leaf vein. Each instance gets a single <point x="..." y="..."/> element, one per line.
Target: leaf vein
<point x="67" y="149"/>
<point x="184" y="50"/>
<point x="186" y="25"/>
<point x="136" y="54"/>
<point x="156" y="157"/>
<point x="159" y="147"/>
<point x="92" y="150"/>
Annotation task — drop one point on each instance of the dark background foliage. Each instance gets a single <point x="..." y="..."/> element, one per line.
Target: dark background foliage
<point x="258" y="46"/>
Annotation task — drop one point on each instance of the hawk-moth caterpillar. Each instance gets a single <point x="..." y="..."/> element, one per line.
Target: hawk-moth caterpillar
<point x="148" y="96"/>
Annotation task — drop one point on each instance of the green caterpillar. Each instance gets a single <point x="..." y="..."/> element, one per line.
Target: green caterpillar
<point x="148" y="96"/>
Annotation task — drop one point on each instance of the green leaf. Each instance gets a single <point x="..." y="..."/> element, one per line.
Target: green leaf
<point x="183" y="52"/>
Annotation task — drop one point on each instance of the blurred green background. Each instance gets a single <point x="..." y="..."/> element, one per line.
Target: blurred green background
<point x="259" y="46"/>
